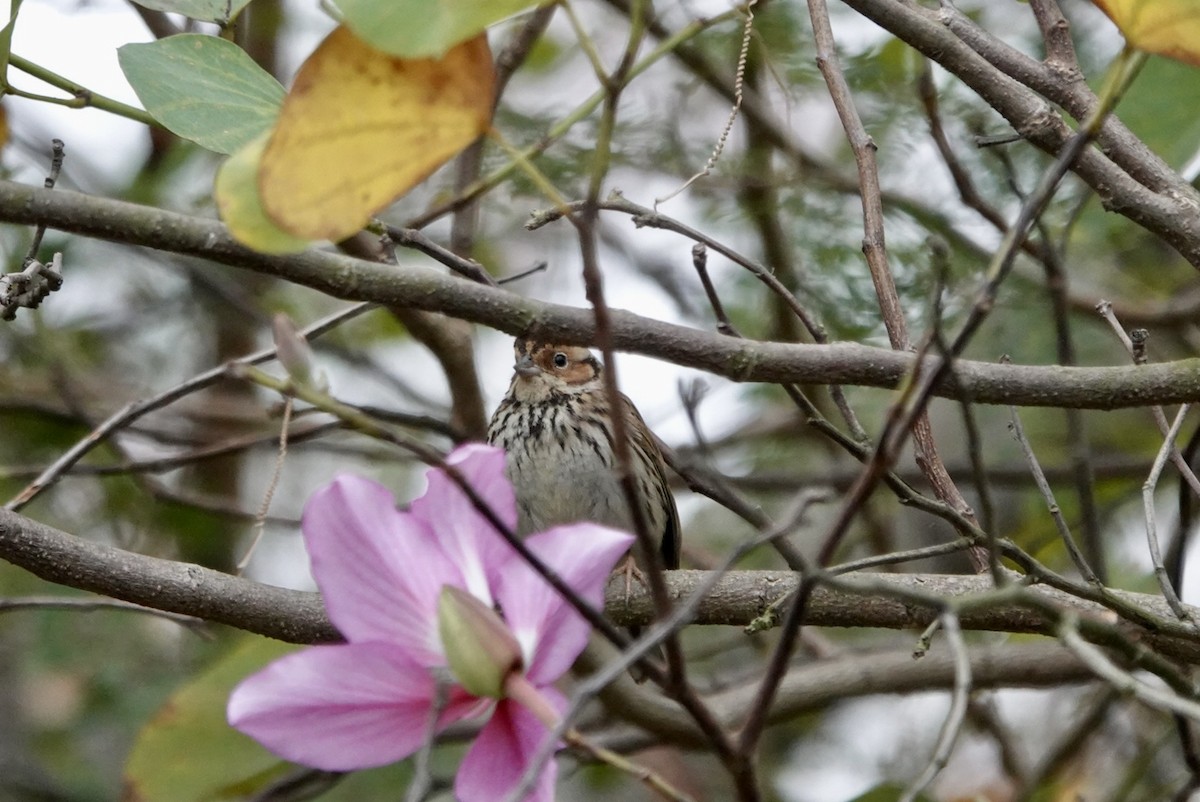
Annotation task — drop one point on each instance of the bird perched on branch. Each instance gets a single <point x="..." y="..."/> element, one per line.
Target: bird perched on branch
<point x="556" y="427"/>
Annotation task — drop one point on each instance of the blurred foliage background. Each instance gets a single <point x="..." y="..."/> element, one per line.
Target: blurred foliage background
<point x="78" y="687"/>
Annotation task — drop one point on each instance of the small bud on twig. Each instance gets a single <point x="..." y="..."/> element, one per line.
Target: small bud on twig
<point x="296" y="355"/>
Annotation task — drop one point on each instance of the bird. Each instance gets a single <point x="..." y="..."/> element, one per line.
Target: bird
<point x="555" y="427"/>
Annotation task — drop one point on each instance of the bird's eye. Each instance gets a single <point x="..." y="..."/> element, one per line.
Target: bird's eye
<point x="560" y="359"/>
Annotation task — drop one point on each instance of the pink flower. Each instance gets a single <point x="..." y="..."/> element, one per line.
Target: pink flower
<point x="367" y="702"/>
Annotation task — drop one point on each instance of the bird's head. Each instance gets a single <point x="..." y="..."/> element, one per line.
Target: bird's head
<point x="545" y="368"/>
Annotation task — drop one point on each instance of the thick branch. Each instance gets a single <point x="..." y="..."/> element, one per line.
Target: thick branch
<point x="814" y="686"/>
<point x="738" y="598"/>
<point x="1173" y="214"/>
<point x="176" y="587"/>
<point x="741" y="360"/>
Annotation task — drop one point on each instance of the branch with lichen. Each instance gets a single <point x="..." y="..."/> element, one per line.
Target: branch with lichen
<point x="740" y="360"/>
<point x="736" y="600"/>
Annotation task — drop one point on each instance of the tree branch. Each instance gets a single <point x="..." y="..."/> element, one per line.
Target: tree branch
<point x="738" y="598"/>
<point x="1173" y="213"/>
<point x="816" y="685"/>
<point x="740" y="360"/>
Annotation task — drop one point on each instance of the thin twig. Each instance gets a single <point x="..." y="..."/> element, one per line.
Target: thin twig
<point x="644" y="217"/>
<point x="1160" y="572"/>
<point x="983" y="485"/>
<point x="1176" y="555"/>
<point x="700" y="263"/>
<point x="651" y="779"/>
<point x="1057" y="287"/>
<point x="57" y="155"/>
<point x="1043" y="486"/>
<point x="135" y="410"/>
<point x="952" y="726"/>
<point x="707" y="483"/>
<point x="875" y="250"/>
<point x="538" y="267"/>
<point x="10" y="604"/>
<point x="269" y="493"/>
<point x="1160" y="419"/>
<point x="739" y="77"/>
<point x="417" y="240"/>
<point x="896" y="557"/>
<point x="1123" y="681"/>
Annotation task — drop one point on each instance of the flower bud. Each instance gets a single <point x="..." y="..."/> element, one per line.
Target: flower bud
<point x="480" y="648"/>
<point x="295" y="354"/>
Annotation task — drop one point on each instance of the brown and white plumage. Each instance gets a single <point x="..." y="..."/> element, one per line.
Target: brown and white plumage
<point x="554" y="425"/>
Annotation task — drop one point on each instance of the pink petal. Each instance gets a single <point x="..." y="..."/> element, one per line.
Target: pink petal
<point x="550" y="631"/>
<point x="461" y="530"/>
<point x="379" y="569"/>
<point x="342" y="707"/>
<point x="503" y="748"/>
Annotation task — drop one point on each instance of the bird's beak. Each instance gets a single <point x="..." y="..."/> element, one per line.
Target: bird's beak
<point x="525" y="366"/>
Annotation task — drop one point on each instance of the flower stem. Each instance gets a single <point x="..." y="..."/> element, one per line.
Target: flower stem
<point x="518" y="688"/>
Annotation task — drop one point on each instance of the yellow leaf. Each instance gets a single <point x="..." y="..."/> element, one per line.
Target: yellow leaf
<point x="360" y="128"/>
<point x="236" y="194"/>
<point x="1167" y="27"/>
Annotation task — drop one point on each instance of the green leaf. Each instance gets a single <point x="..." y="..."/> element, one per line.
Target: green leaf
<point x="240" y="204"/>
<point x="188" y="753"/>
<point x="888" y="792"/>
<point x="1160" y="108"/>
<point x="6" y="34"/>
<point x="221" y="11"/>
<point x="203" y="88"/>
<point x="388" y="24"/>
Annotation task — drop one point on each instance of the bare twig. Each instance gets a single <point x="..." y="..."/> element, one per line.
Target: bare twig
<point x="1057" y="287"/>
<point x="644" y="217"/>
<point x="1043" y="486"/>
<point x="1160" y="572"/>
<point x="269" y="493"/>
<point x="739" y="76"/>
<point x="897" y="557"/>
<point x="874" y="248"/>
<point x="1138" y="353"/>
<point x="133" y="411"/>
<point x="57" y="155"/>
<point x="1123" y="681"/>
<point x="10" y="604"/>
<point x="952" y="726"/>
<point x="467" y="268"/>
